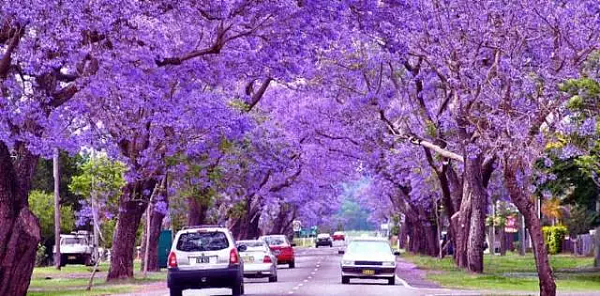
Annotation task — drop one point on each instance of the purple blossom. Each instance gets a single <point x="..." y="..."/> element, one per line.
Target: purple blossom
<point x="161" y="207"/>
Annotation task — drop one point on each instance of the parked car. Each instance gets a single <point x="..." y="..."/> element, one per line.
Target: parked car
<point x="369" y="258"/>
<point x="339" y="236"/>
<point x="258" y="259"/>
<point x="76" y="248"/>
<point x="282" y="248"/>
<point x="323" y="239"/>
<point x="205" y="257"/>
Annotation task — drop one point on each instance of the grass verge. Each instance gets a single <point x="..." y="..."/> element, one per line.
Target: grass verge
<point x="511" y="273"/>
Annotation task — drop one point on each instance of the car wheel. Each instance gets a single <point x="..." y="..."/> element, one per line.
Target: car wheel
<point x="392" y="281"/>
<point x="316" y="246"/>
<point x="273" y="279"/>
<point x="175" y="292"/>
<point x="293" y="264"/>
<point x="345" y="280"/>
<point x="237" y="289"/>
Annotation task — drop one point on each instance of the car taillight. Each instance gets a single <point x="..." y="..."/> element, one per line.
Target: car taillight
<point x="172" y="260"/>
<point x="233" y="257"/>
<point x="267" y="259"/>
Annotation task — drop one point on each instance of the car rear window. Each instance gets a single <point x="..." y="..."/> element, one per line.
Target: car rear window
<point x="276" y="241"/>
<point x="73" y="241"/>
<point x="202" y="241"/>
<point x="251" y="244"/>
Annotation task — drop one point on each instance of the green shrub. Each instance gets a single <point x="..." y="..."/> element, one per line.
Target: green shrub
<point x="40" y="255"/>
<point x="554" y="236"/>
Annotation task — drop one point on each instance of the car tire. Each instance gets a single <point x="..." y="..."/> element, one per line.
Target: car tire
<point x="392" y="281"/>
<point x="293" y="264"/>
<point x="273" y="279"/>
<point x="238" y="289"/>
<point x="345" y="280"/>
<point x="316" y="246"/>
<point x="175" y="292"/>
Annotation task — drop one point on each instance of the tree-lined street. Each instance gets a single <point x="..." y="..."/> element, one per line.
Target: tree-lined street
<point x="453" y="128"/>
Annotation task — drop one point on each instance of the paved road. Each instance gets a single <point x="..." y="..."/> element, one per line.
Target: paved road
<point x="317" y="272"/>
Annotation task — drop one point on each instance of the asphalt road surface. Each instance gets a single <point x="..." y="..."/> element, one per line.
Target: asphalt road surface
<point x="317" y="272"/>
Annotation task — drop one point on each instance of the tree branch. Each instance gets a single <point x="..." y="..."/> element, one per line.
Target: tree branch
<point x="259" y="94"/>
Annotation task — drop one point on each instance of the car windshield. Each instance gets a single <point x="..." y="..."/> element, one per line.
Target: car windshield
<point x="276" y="240"/>
<point x="202" y="241"/>
<point x="252" y="245"/>
<point x="369" y="247"/>
<point x="73" y="241"/>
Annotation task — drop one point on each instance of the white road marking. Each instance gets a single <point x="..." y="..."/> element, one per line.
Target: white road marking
<point x="404" y="283"/>
<point x="306" y="281"/>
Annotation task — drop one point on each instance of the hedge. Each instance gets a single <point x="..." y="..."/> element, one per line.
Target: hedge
<point x="554" y="236"/>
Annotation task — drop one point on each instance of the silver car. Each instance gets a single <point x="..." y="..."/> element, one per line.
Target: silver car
<point x="258" y="260"/>
<point x="369" y="258"/>
<point x="205" y="257"/>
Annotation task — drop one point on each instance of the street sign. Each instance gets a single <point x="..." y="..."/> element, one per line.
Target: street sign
<point x="297" y="225"/>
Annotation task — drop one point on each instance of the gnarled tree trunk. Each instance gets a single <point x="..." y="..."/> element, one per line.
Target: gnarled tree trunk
<point x="19" y="228"/>
<point x="133" y="203"/>
<point x="527" y="208"/>
<point x="473" y="176"/>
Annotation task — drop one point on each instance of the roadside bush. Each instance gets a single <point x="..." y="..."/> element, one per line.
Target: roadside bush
<point x="40" y="255"/>
<point x="554" y="236"/>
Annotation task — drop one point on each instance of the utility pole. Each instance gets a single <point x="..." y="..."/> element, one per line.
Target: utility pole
<point x="56" y="209"/>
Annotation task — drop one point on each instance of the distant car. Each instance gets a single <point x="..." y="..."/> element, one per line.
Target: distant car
<point x="323" y="239"/>
<point x="339" y="236"/>
<point x="76" y="248"/>
<point x="258" y="260"/>
<point x="205" y="257"/>
<point x="282" y="248"/>
<point x="369" y="258"/>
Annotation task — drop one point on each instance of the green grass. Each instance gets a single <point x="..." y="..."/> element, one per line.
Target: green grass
<point x="73" y="279"/>
<point x="511" y="272"/>
<point x="69" y="269"/>
<point x="95" y="291"/>
<point x="63" y="282"/>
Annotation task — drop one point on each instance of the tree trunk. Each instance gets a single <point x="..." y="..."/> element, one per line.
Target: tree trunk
<point x="528" y="209"/>
<point x="19" y="228"/>
<point x="156" y="221"/>
<point x="132" y="205"/>
<point x="197" y="211"/>
<point x="474" y="177"/>
<point x="502" y="235"/>
<point x="403" y="235"/>
<point x="463" y="222"/>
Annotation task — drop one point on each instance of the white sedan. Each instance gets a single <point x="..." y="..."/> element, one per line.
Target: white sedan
<point x="369" y="258"/>
<point x="258" y="260"/>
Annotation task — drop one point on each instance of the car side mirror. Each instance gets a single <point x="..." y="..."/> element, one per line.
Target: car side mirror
<point x="397" y="253"/>
<point x="242" y="248"/>
<point x="293" y="244"/>
<point x="341" y="252"/>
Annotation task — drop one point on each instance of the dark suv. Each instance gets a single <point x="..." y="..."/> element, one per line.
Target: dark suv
<point x="205" y="257"/>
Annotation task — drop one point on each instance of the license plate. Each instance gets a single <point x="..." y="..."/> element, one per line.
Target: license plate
<point x="276" y="252"/>
<point x="248" y="259"/>
<point x="203" y="259"/>
<point x="368" y="272"/>
<point x="72" y="257"/>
